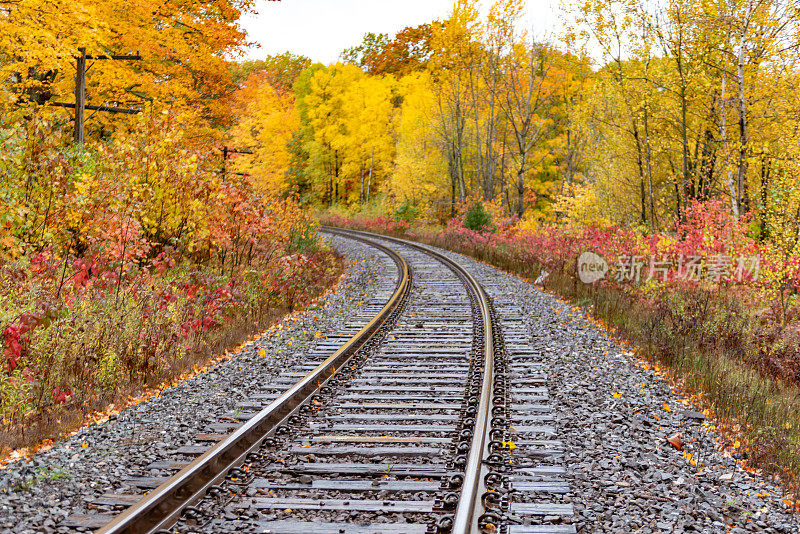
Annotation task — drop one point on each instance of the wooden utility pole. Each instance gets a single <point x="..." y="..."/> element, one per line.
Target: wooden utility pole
<point x="80" y="95"/>
<point x="80" y="105"/>
<point x="225" y="152"/>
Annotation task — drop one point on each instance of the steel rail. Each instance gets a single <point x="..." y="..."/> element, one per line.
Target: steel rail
<point x="162" y="507"/>
<point x="469" y="505"/>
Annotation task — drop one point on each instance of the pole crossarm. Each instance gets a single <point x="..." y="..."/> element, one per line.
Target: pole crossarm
<point x="226" y="150"/>
<point x="132" y="57"/>
<point x="80" y="105"/>
<point x="110" y="109"/>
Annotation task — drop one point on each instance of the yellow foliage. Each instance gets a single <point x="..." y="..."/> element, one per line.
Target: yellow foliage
<point x="420" y="172"/>
<point x="265" y="126"/>
<point x="583" y="208"/>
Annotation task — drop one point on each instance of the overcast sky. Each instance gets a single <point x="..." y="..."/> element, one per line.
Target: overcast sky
<point x="321" y="29"/>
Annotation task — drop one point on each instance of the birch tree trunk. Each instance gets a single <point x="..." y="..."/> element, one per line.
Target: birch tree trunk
<point x="741" y="108"/>
<point x="369" y="180"/>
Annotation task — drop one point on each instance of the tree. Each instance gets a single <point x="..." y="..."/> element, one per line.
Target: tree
<point x="455" y="48"/>
<point x="366" y="55"/>
<point x="368" y="146"/>
<point x="420" y="172"/>
<point x="280" y="71"/>
<point x="184" y="47"/>
<point x="408" y="52"/>
<point x="266" y="121"/>
<point x="528" y="95"/>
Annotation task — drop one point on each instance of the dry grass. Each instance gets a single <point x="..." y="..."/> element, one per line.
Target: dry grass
<point x="51" y="420"/>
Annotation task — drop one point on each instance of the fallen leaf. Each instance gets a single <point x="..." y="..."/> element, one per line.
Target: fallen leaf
<point x="676" y="441"/>
<point x="84" y="444"/>
<point x="666" y="407"/>
<point x="262" y="353"/>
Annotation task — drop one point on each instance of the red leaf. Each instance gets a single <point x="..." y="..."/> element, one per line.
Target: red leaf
<point x="676" y="441"/>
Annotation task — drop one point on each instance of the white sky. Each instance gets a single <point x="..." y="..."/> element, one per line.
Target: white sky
<point x="321" y="29"/>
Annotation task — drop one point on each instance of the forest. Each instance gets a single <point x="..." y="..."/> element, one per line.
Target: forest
<point x="659" y="136"/>
<point x="687" y="102"/>
<point x="186" y="219"/>
<point x="133" y="257"/>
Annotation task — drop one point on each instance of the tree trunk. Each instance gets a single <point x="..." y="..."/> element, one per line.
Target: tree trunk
<point x="643" y="199"/>
<point x="451" y="167"/>
<point x="648" y="160"/>
<point x="677" y="188"/>
<point x="640" y="166"/>
<point x="765" y="171"/>
<point x="570" y="160"/>
<point x="478" y="143"/>
<point x="369" y="180"/>
<point x="723" y="131"/>
<point x="488" y="187"/>
<point x="330" y="184"/>
<point x="741" y="108"/>
<point x="503" y="184"/>
<point x="361" y="193"/>
<point x="685" y="139"/>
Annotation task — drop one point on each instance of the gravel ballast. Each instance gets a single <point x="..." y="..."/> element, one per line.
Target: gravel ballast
<point x="613" y="416"/>
<point x="37" y="495"/>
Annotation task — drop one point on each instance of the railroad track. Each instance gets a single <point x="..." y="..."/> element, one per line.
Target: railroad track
<point x="422" y="422"/>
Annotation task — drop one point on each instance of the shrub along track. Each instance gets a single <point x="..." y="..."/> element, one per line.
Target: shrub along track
<point x="410" y="426"/>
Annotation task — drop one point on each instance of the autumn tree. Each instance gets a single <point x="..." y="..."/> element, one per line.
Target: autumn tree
<point x="366" y="55"/>
<point x="462" y="107"/>
<point x="408" y="52"/>
<point x="455" y="49"/>
<point x="266" y="121"/>
<point x="280" y="71"/>
<point x="698" y="84"/>
<point x="420" y="174"/>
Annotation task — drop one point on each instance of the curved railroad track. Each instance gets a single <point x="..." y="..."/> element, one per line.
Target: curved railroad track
<point x="410" y="426"/>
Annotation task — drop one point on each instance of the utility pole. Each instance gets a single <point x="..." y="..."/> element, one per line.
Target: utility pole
<point x="80" y="95"/>
<point x="80" y="105"/>
<point x="227" y="150"/>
